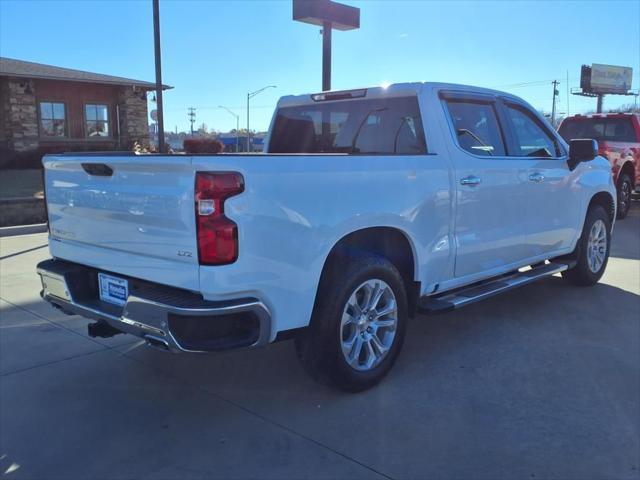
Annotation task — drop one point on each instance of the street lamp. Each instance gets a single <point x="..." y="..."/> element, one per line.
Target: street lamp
<point x="249" y="97"/>
<point x="237" y="126"/>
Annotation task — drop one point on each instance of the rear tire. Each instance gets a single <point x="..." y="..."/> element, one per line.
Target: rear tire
<point x="351" y="342"/>
<point x="592" y="251"/>
<point x="624" y="189"/>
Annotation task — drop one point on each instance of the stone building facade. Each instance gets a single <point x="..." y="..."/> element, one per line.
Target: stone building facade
<point x="133" y="117"/>
<point x="47" y="109"/>
<point x="19" y="115"/>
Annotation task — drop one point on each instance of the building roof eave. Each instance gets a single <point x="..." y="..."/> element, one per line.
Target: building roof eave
<point x="29" y="70"/>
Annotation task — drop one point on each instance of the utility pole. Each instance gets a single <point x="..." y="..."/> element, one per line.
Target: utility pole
<point x="553" y="105"/>
<point x="248" y="136"/>
<point x="192" y="117"/>
<point x="156" y="42"/>
<point x="568" y="112"/>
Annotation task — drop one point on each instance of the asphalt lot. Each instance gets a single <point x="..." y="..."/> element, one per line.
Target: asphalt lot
<point x="542" y="382"/>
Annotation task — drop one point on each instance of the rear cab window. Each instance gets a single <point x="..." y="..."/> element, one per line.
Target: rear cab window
<point x="614" y="129"/>
<point x="390" y="126"/>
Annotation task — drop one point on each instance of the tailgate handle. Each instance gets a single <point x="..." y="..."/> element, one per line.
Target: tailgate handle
<point x="98" y="169"/>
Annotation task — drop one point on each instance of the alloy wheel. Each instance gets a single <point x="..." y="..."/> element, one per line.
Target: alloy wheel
<point x="597" y="246"/>
<point x="368" y="325"/>
<point x="624" y="197"/>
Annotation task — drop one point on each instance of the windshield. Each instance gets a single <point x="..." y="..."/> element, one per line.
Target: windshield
<point x="389" y="126"/>
<point x="601" y="129"/>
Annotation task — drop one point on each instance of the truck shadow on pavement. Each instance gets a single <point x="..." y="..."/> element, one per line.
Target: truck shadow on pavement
<point x="548" y="319"/>
<point x="626" y="235"/>
<point x="544" y="379"/>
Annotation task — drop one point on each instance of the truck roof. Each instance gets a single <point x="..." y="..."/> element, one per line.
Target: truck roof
<point x="393" y="90"/>
<point x="602" y="115"/>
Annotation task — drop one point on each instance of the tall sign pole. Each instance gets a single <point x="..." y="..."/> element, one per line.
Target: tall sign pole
<point x="156" y="42"/>
<point x="326" y="56"/>
<point x="329" y="15"/>
<point x="599" y="103"/>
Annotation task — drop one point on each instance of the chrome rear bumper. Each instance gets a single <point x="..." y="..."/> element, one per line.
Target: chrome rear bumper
<point x="173" y="319"/>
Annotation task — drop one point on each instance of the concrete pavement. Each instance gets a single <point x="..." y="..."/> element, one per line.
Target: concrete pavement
<point x="542" y="382"/>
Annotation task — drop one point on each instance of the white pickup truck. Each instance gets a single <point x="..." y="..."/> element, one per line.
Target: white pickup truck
<point x="370" y="205"/>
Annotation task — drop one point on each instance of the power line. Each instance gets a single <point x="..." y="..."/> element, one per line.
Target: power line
<point x="524" y="84"/>
<point x="239" y="108"/>
<point x="530" y="84"/>
<point x="216" y="108"/>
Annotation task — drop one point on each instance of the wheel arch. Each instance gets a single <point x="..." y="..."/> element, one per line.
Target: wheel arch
<point x="629" y="169"/>
<point x="389" y="242"/>
<point x="605" y="200"/>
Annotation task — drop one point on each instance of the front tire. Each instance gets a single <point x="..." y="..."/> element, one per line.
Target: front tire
<point x="592" y="251"/>
<point x="358" y="323"/>
<point x="624" y="189"/>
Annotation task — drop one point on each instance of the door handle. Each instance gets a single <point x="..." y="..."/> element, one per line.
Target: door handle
<point x="98" y="169"/>
<point x="536" y="177"/>
<point x="471" y="180"/>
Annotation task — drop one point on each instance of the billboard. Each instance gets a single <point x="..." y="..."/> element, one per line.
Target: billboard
<point x="603" y="79"/>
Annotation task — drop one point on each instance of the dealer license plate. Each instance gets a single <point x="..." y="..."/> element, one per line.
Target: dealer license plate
<point x="113" y="289"/>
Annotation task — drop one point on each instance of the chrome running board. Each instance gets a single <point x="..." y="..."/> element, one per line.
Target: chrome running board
<point x="479" y="291"/>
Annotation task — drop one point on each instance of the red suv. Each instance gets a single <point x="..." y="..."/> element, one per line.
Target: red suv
<point x="618" y="136"/>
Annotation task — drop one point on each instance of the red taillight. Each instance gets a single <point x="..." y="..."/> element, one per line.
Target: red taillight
<point x="217" y="235"/>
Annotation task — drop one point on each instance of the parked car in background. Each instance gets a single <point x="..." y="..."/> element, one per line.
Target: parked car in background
<point x="618" y="136"/>
<point x="370" y="205"/>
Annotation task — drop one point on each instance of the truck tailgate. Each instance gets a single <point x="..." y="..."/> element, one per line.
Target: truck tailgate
<point x="128" y="214"/>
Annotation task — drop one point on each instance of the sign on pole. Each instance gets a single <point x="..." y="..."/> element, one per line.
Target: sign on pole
<point x="610" y="78"/>
<point x="329" y="15"/>
<point x="603" y="79"/>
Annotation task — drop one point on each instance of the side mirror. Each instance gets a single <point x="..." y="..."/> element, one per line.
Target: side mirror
<point x="581" y="150"/>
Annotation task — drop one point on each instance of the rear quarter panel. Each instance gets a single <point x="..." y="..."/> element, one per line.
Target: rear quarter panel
<point x="295" y="208"/>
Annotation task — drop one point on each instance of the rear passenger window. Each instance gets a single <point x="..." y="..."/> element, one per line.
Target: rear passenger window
<point x="532" y="139"/>
<point x="599" y="128"/>
<point x="476" y="127"/>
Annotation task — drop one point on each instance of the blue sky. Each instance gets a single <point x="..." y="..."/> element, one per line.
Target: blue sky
<point x="216" y="51"/>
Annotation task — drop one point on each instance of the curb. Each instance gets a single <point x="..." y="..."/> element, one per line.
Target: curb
<point x="22" y="230"/>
